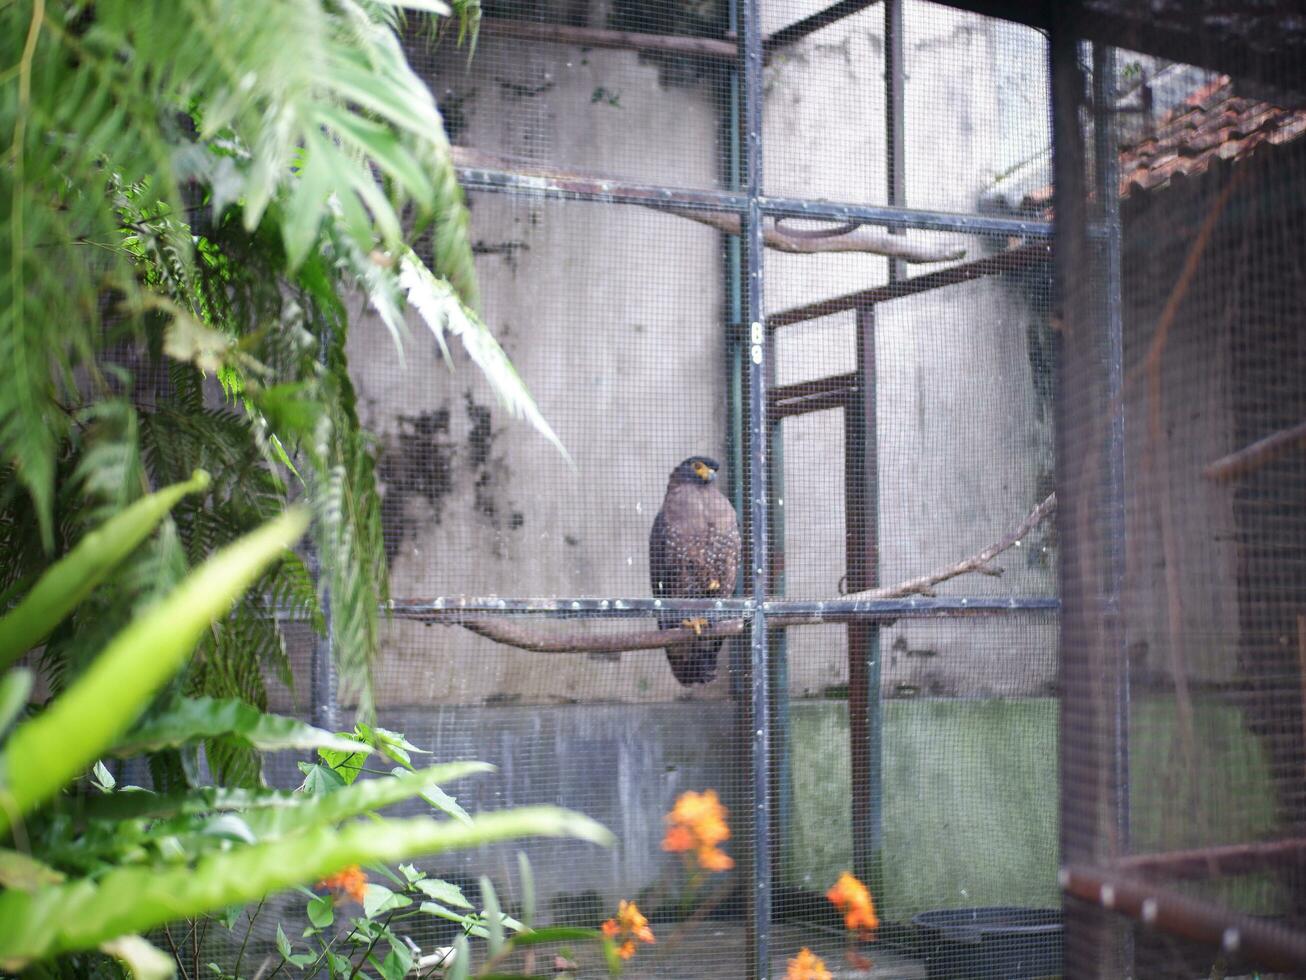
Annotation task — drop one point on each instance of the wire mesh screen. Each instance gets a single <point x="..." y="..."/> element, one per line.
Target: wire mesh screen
<point x="1182" y="733"/>
<point x="869" y="399"/>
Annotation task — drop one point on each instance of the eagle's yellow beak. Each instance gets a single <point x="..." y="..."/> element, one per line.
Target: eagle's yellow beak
<point x="704" y="472"/>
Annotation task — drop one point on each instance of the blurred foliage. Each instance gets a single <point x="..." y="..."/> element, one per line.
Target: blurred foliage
<point x="94" y="867"/>
<point x="192" y="193"/>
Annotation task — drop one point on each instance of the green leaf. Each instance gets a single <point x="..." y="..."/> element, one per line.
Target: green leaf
<point x="392" y="744"/>
<point x="103" y="779"/>
<point x="319" y="779"/>
<point x="462" y="960"/>
<point x="379" y="898"/>
<point x="348" y="764"/>
<point x="361" y="797"/>
<point x="283" y="944"/>
<point x="443" y="891"/>
<point x="191" y="719"/>
<point x="71" y="579"/>
<point x="527" y="876"/>
<point x="321" y="911"/>
<point x="441" y="309"/>
<point x="445" y="803"/>
<point x="15" y="688"/>
<point x="397" y="962"/>
<point x="493" y="916"/>
<point x="145" y="961"/>
<point x="556" y="934"/>
<point x="81" y="915"/>
<point x="49" y="750"/>
<point x="18" y="870"/>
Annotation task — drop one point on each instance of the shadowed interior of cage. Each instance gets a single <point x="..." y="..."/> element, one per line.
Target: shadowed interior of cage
<point x="1182" y="702"/>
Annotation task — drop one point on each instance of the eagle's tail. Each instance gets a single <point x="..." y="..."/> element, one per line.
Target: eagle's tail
<point x="694" y="662"/>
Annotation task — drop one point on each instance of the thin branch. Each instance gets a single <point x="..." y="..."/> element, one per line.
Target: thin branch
<point x="1253" y="457"/>
<point x="525" y="637"/>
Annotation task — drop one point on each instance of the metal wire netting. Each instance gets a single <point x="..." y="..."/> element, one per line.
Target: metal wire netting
<point x="892" y="387"/>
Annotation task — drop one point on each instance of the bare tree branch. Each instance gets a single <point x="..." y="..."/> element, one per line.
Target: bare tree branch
<point x="528" y="637"/>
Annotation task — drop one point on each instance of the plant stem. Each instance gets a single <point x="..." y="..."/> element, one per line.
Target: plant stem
<point x="372" y="945"/>
<point x="240" y="957"/>
<point x="172" y="945"/>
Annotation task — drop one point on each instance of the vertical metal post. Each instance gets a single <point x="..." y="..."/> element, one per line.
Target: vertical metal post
<point x="778" y="652"/>
<point x="759" y="900"/>
<point x="894" y="149"/>
<point x="1094" y="943"/>
<point x="861" y="518"/>
<point x="1107" y="169"/>
<point x="736" y="338"/>
<point x="1107" y="193"/>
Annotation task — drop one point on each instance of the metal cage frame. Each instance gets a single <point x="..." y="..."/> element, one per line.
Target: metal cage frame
<point x="759" y="405"/>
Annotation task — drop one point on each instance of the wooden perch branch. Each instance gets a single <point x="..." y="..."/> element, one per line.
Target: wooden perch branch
<point x="860" y="239"/>
<point x="525" y="637"/>
<point x="1253" y="457"/>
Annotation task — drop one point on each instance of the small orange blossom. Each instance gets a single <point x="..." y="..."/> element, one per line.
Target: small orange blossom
<point x="852" y="899"/>
<point x="698" y="823"/>
<point x="631" y="924"/>
<point x="807" y="966"/>
<point x="347" y="882"/>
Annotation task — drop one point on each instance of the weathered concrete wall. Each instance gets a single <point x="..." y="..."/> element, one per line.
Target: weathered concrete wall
<point x="615" y="318"/>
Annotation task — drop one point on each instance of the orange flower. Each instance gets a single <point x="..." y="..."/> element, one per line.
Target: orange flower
<point x="348" y="882"/>
<point x="852" y="899"/>
<point x="807" y="966"/>
<point x="631" y="924"/>
<point x="698" y="823"/>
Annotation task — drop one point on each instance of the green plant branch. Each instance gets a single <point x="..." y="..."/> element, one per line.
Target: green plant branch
<point x="240" y="957"/>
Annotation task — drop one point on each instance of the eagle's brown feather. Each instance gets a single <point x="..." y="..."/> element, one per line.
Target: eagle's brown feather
<point x="693" y="554"/>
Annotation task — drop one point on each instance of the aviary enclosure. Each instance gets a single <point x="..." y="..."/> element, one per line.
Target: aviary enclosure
<point x="1019" y="609"/>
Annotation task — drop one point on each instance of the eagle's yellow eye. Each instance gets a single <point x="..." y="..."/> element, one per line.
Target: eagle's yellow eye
<point x="703" y="470"/>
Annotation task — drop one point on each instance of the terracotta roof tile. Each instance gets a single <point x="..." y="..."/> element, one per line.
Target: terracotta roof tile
<point x="1212" y="124"/>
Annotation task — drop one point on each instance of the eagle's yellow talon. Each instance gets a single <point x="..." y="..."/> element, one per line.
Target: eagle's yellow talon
<point x="697" y="625"/>
<point x="713" y="586"/>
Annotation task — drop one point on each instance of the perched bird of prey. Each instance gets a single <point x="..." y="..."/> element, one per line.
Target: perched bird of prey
<point x="693" y="553"/>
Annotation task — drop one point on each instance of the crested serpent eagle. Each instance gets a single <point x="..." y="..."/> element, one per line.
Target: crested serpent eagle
<point x="693" y="553"/>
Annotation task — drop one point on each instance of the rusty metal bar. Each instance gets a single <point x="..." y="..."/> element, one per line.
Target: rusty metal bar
<point x="822" y="18"/>
<point x="1016" y="258"/>
<point x="1215" y="862"/>
<point x="803" y="397"/>
<point x="597" y="37"/>
<point x="862" y="546"/>
<point x="1254" y="941"/>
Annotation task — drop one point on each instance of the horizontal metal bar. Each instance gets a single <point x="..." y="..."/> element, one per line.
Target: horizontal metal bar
<point x="1021" y="257"/>
<point x="605" y="191"/>
<point x="833" y="610"/>
<point x="600" y="191"/>
<point x="1253" y="941"/>
<point x="822" y="18"/>
<point x="841" y="610"/>
<point x="896" y="217"/>
<point x="597" y="37"/>
<point x="811" y="396"/>
<point x="817" y="401"/>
